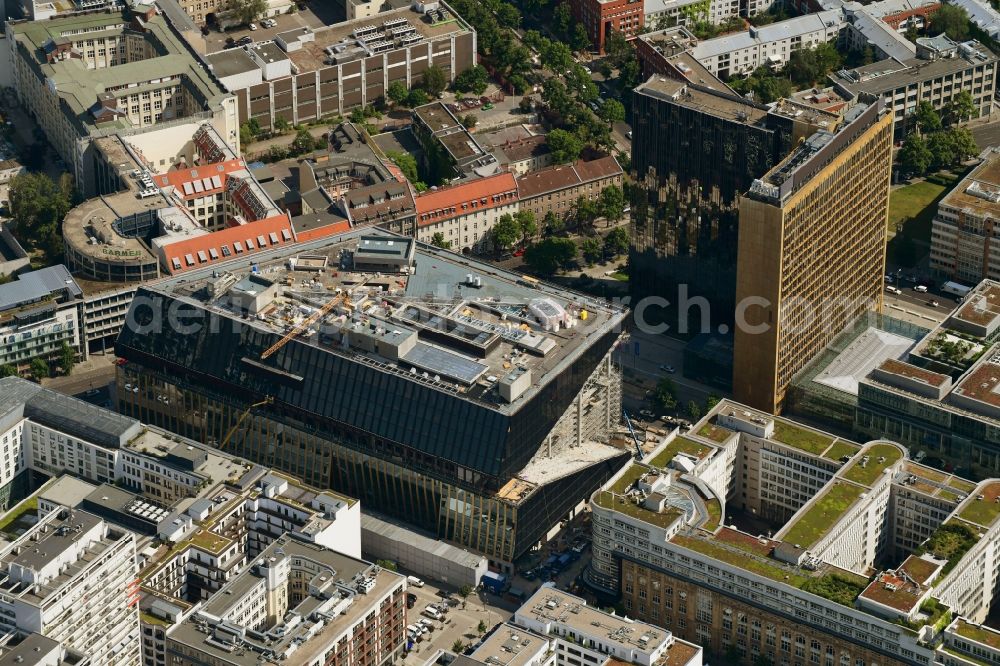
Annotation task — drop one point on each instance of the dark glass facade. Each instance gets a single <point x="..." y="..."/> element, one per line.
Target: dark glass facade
<point x="409" y="449"/>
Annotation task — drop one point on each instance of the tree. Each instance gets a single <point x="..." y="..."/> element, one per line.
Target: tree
<point x="277" y="153"/>
<point x="417" y="98"/>
<point x="67" y="358"/>
<point x="39" y="369"/>
<point x="565" y="146"/>
<point x="612" y="202"/>
<point x="694" y="410"/>
<point x="246" y="11"/>
<point x="586" y="210"/>
<point x="552" y="223"/>
<point x="458" y="646"/>
<point x="470" y="120"/>
<point x="508" y="16"/>
<point x="474" y="80"/>
<point x="665" y="394"/>
<point x="303" y="142"/>
<point x="580" y="40"/>
<point x="397" y="92"/>
<point x="951" y="20"/>
<point x="911" y="34"/>
<point x="612" y="111"/>
<point x="437" y="240"/>
<point x="407" y="163"/>
<point x="928" y="119"/>
<point x="592" y="250"/>
<point x="963" y="143"/>
<point x="281" y="125"/>
<point x="7" y="370"/>
<point x="505" y="232"/>
<point x="557" y="56"/>
<point x="942" y="148"/>
<point x="915" y="157"/>
<point x="481" y="627"/>
<point x="388" y="565"/>
<point x="562" y="17"/>
<point x="246" y="136"/>
<point x="464" y="592"/>
<point x="961" y="107"/>
<point x="526" y="105"/>
<point x="435" y="81"/>
<point x="550" y="255"/>
<point x="711" y="401"/>
<point x="37" y="205"/>
<point x="526" y="220"/>
<point x="616" y="242"/>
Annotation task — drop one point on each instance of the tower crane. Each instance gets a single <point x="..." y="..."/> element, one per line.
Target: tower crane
<point x="229" y="435"/>
<point x="303" y="325"/>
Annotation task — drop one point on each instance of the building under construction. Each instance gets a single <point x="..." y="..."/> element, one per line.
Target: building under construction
<point x="471" y="401"/>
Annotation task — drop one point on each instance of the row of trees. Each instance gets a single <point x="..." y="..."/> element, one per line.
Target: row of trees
<point x="40" y="368"/>
<point x="38" y="205"/>
<point x="554" y="254"/>
<point x="493" y="21"/>
<point x="936" y="140"/>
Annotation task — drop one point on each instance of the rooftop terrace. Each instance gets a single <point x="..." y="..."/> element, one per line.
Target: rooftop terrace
<point x="983" y="506"/>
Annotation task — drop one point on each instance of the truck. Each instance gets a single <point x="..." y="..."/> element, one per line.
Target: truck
<point x="494" y="582"/>
<point x="956" y="289"/>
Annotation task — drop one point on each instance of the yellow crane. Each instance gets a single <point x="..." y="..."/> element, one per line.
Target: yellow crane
<point x="303" y="325"/>
<point x="229" y="435"/>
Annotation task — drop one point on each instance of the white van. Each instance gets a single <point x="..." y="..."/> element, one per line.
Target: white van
<point x="414" y="581"/>
<point x="432" y="613"/>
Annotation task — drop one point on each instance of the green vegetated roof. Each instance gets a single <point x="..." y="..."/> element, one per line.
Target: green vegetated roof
<point x="825" y="511"/>
<point x="628" y="507"/>
<point x="800" y="438"/>
<point x="872" y="470"/>
<point x="29" y="505"/>
<point x="983" y="511"/>
<point x="714" y="514"/>
<point x="680" y="445"/>
<point x="760" y="565"/>
<point x="716" y="433"/>
<point x="950" y="542"/>
<point x="979" y="634"/>
<point x="840" y="449"/>
<point x="626" y="480"/>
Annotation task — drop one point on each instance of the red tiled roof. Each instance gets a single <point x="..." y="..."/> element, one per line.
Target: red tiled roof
<point x="178" y="177"/>
<point x="479" y="194"/>
<point x="563" y="176"/>
<point x="226" y="244"/>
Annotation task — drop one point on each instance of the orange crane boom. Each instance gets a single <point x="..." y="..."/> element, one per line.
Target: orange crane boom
<point x="303" y="325"/>
<point x="229" y="435"/>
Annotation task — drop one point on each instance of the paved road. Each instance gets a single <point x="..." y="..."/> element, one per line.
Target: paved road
<point x="81" y="382"/>
<point x="987" y="135"/>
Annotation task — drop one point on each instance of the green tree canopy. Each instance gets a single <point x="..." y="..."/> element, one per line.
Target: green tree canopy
<point x="435" y="80"/>
<point x="616" y="242"/>
<point x="470" y="120"/>
<point x="960" y="108"/>
<point x="397" y="92"/>
<point x="580" y="40"/>
<point x="246" y="11"/>
<point x="550" y="255"/>
<point x="67" y="358"/>
<point x="417" y="97"/>
<point x="38" y="205"/>
<point x="951" y="20"/>
<point x="665" y="394"/>
<point x="928" y="119"/>
<point x="407" y="163"/>
<point x="438" y="240"/>
<point x="505" y="232"/>
<point x="7" y="370"/>
<point x="915" y="157"/>
<point x="39" y="369"/>
<point x="592" y="250"/>
<point x="565" y="146"/>
<point x="612" y="202"/>
<point x="526" y="221"/>
<point x="474" y="80"/>
<point x="612" y="111"/>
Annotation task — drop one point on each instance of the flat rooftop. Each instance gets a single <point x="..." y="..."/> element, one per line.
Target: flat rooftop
<point x="980" y="307"/>
<point x="870" y="349"/>
<point x="982" y="384"/>
<point x="470" y="335"/>
<point x="510" y="645"/>
<point x="313" y="56"/>
<point x="727" y="106"/>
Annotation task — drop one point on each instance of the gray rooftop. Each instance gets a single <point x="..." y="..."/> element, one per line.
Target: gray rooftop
<point x="52" y="281"/>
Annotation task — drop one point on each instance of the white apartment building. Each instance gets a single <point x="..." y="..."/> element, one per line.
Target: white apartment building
<point x="72" y="578"/>
<point x="39" y="311"/>
<point x="583" y="635"/>
<point x="465" y="213"/>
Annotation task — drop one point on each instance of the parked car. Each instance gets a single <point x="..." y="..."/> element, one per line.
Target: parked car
<point x="432" y="613"/>
<point x="920" y="288"/>
<point x="669" y="369"/>
<point x="414" y="581"/>
<point x="646" y="414"/>
<point x="933" y="304"/>
<point x="893" y="290"/>
<point x="252" y="26"/>
<point x="243" y="41"/>
<point x="411" y="600"/>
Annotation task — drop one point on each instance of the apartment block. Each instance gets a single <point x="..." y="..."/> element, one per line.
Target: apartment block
<point x="39" y="312"/>
<point x="856" y="571"/>
<point x="940" y="70"/>
<point x="310" y="74"/>
<point x="71" y="578"/>
<point x="556" y="189"/>
<point x="820" y="213"/>
<point x="450" y="151"/>
<point x="963" y="245"/>
<point x="88" y="75"/>
<point x="465" y="213"/>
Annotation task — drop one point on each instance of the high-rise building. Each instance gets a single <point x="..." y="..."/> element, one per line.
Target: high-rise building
<point x="811" y="251"/>
<point x="473" y="402"/>
<point x="695" y="150"/>
<point x="72" y="578"/>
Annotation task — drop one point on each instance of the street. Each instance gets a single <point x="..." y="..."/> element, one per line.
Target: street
<point x="987" y="135"/>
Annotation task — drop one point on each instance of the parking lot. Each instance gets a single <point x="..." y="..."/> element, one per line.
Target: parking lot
<point x="459" y="623"/>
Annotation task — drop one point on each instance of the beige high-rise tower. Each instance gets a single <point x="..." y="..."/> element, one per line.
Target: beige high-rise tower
<point x="811" y="251"/>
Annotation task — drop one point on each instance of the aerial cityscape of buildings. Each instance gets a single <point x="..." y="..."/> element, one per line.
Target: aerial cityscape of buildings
<point x="501" y="333"/>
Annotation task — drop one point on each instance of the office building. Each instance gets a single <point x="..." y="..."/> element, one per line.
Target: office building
<point x="963" y="246"/>
<point x="89" y="75"/>
<point x="556" y="189"/>
<point x="602" y="17"/>
<point x="40" y="311"/>
<point x="695" y="149"/>
<point x="940" y="69"/>
<point x="311" y="74"/>
<point x="71" y="578"/>
<point x="811" y="255"/>
<point x="851" y="557"/>
<point x="419" y="409"/>
<point x="450" y="152"/>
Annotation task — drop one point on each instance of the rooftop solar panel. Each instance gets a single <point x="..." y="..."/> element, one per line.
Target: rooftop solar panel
<point x="437" y="361"/>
